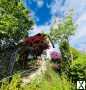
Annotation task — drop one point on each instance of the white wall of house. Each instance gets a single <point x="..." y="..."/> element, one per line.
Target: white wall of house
<point x="51" y="49"/>
<point x="48" y="51"/>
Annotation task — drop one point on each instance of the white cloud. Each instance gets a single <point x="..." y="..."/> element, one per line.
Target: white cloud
<point x="33" y="14"/>
<point x="40" y="28"/>
<point x="48" y="5"/>
<point x="55" y="7"/>
<point x="79" y="39"/>
<point x="40" y="3"/>
<point x="79" y="6"/>
<point x="81" y="18"/>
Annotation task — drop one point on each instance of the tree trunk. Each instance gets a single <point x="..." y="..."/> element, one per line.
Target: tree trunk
<point x="12" y="62"/>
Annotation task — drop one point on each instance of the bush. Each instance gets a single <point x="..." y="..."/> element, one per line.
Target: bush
<point x="77" y="72"/>
<point x="55" y="56"/>
<point x="74" y="52"/>
<point x="56" y="59"/>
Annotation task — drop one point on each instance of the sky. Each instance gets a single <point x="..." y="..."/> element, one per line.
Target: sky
<point x="45" y="11"/>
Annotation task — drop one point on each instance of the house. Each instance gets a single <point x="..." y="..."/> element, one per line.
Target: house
<point x="41" y="45"/>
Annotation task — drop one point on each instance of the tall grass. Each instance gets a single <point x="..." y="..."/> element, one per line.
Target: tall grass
<point x="14" y="84"/>
<point x="50" y="81"/>
<point x="80" y="60"/>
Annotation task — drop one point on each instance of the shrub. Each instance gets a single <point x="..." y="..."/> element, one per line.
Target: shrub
<point x="55" y="56"/>
<point x="56" y="59"/>
<point x="77" y="72"/>
<point x="74" y="52"/>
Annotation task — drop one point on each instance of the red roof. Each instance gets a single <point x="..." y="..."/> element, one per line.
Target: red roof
<point x="34" y="39"/>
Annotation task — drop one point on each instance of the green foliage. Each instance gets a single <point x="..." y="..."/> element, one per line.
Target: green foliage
<point x="75" y="53"/>
<point x="81" y="59"/>
<point x="61" y="34"/>
<point x="14" y="84"/>
<point x="14" y="19"/>
<point x="65" y="29"/>
<point x="77" y="70"/>
<point x="65" y="52"/>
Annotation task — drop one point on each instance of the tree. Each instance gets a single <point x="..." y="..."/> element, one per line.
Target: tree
<point x="61" y="35"/>
<point x="14" y="20"/>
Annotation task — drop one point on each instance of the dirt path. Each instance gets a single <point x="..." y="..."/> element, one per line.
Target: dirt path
<point x="31" y="76"/>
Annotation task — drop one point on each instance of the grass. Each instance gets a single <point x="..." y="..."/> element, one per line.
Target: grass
<point x="80" y="60"/>
<point x="50" y="81"/>
<point x="13" y="85"/>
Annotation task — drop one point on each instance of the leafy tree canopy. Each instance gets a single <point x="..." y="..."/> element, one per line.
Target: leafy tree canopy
<point x="61" y="35"/>
<point x="14" y="20"/>
<point x="65" y="29"/>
